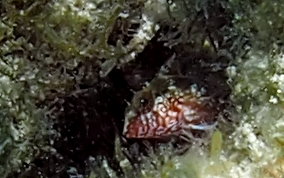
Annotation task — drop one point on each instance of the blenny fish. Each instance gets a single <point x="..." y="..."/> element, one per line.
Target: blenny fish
<point x="176" y="113"/>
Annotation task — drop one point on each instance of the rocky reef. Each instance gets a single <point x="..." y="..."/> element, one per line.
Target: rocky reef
<point x="145" y="88"/>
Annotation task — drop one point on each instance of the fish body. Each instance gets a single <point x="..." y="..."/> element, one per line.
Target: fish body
<point x="176" y="113"/>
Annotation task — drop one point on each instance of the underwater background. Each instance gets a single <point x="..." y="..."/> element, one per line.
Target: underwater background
<point x="74" y="74"/>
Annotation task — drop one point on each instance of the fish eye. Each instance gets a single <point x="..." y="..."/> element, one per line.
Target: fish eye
<point x="144" y="101"/>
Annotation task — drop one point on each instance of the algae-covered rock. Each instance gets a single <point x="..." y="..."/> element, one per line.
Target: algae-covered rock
<point x="71" y="71"/>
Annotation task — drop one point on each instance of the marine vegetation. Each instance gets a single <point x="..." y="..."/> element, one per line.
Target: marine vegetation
<point x="141" y="88"/>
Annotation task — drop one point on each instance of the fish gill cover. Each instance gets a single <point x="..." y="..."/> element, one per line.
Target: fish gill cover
<point x="75" y="73"/>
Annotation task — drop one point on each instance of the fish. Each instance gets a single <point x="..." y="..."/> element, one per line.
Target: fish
<point x="176" y="113"/>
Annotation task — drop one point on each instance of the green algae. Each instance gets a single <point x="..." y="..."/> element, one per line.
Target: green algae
<point x="40" y="39"/>
<point x="216" y="144"/>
